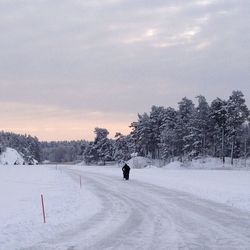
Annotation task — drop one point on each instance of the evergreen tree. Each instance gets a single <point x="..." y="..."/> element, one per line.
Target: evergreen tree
<point x="158" y="118"/>
<point x="123" y="147"/>
<point x="168" y="146"/>
<point x="142" y="135"/>
<point x="200" y="125"/>
<point x="103" y="145"/>
<point x="90" y="154"/>
<point x="184" y="129"/>
<point x="238" y="114"/>
<point x="219" y="116"/>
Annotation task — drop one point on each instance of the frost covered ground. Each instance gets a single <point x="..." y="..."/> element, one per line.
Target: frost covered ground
<point x="230" y="187"/>
<point x="111" y="211"/>
<point x="20" y="205"/>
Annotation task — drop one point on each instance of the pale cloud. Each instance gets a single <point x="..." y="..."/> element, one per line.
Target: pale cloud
<point x="98" y="3"/>
<point x="148" y="34"/>
<point x="203" y="20"/>
<point x="178" y="39"/>
<point x="203" y="45"/>
<point x="205" y="2"/>
<point x="188" y="34"/>
<point x="63" y="61"/>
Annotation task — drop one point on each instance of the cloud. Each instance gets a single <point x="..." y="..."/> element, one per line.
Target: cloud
<point x="205" y="2"/>
<point x="120" y="56"/>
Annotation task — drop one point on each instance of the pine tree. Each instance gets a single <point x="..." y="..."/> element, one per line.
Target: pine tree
<point x="219" y="116"/>
<point x="185" y="135"/>
<point x="201" y="126"/>
<point x="142" y="135"/>
<point x="168" y="145"/>
<point x="238" y="113"/>
<point x="90" y="154"/>
<point x="103" y="145"/>
<point x="158" y="119"/>
<point x="123" y="147"/>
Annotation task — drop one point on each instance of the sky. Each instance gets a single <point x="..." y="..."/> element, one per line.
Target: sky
<point x="68" y="66"/>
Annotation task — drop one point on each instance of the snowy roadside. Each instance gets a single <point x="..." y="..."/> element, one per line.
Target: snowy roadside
<point x="230" y="187"/>
<point x="67" y="205"/>
<point x="20" y="206"/>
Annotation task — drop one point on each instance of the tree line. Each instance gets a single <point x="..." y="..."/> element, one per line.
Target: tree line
<point x="62" y="151"/>
<point x="26" y="145"/>
<point x="32" y="149"/>
<point x="220" y="129"/>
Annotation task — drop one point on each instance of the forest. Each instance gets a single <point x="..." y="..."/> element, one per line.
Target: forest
<point x="220" y="129"/>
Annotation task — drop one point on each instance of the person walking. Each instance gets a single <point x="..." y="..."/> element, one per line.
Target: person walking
<point x="126" y="170"/>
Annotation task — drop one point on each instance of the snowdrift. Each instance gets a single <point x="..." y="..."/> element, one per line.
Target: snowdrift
<point x="202" y="163"/>
<point x="142" y="162"/>
<point x="11" y="157"/>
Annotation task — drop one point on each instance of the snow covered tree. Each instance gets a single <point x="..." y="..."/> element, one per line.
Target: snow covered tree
<point x="238" y="114"/>
<point x="168" y="145"/>
<point x="200" y="126"/>
<point x="245" y="141"/>
<point x="103" y="146"/>
<point x="123" y="146"/>
<point x="72" y="150"/>
<point x="158" y="119"/>
<point x="90" y="154"/>
<point x="184" y="128"/>
<point x="142" y="134"/>
<point x="219" y="115"/>
<point x="26" y="145"/>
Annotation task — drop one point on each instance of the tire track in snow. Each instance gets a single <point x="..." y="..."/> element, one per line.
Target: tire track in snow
<point x="137" y="215"/>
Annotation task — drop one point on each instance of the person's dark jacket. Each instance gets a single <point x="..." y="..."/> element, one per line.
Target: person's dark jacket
<point x="126" y="170"/>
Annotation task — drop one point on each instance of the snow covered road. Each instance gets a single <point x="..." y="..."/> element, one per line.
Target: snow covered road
<point x="138" y="215"/>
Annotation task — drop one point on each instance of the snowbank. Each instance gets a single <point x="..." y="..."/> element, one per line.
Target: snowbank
<point x="11" y="157"/>
<point x="173" y="165"/>
<point x="138" y="162"/>
<point x="20" y="205"/>
<point x="202" y="163"/>
<point x="210" y="163"/>
<point x="142" y="162"/>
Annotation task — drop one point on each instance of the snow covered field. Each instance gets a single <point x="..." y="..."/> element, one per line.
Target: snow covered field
<point x="230" y="187"/>
<point x="206" y="178"/>
<point x="20" y="204"/>
<point x="67" y="205"/>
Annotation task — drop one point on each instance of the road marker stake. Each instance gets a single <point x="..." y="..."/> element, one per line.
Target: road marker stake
<point x="43" y="209"/>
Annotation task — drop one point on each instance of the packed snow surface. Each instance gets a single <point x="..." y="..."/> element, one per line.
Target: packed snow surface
<point x="158" y="208"/>
<point x="230" y="187"/>
<point x="20" y="204"/>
